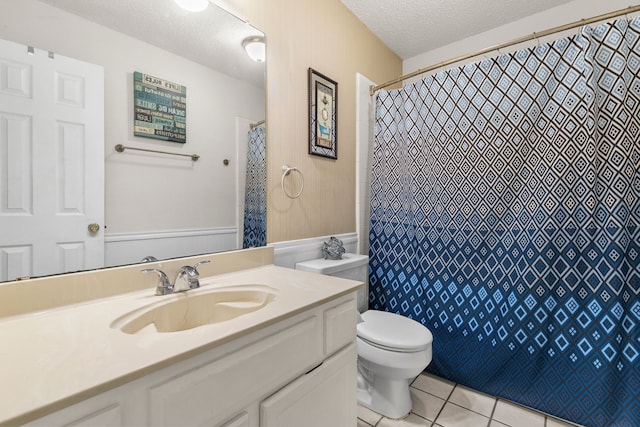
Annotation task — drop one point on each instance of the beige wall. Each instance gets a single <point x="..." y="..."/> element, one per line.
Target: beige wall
<point x="323" y="35"/>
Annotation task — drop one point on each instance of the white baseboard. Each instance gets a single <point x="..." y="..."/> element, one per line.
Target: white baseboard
<point x="128" y="248"/>
<point x="288" y="253"/>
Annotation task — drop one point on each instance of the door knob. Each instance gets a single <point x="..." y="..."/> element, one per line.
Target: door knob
<point x="93" y="228"/>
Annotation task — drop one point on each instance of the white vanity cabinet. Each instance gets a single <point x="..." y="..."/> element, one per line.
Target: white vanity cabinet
<point x="300" y="371"/>
<point x="323" y="397"/>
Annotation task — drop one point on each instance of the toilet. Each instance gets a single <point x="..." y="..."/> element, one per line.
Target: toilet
<point x="392" y="349"/>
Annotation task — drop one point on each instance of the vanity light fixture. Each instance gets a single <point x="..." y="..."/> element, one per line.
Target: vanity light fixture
<point x="193" y="5"/>
<point x="255" y="47"/>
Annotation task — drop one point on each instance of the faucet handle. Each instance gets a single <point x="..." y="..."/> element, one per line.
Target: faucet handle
<point x="164" y="286"/>
<point x="197" y="264"/>
<point x="188" y="277"/>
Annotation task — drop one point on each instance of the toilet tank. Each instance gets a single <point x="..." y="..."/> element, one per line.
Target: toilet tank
<point x="351" y="266"/>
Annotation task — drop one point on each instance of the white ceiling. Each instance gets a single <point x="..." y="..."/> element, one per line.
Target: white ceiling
<point x="408" y="27"/>
<point x="412" y="27"/>
<point x="212" y="38"/>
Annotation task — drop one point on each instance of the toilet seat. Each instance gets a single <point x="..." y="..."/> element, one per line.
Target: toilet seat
<point x="390" y="331"/>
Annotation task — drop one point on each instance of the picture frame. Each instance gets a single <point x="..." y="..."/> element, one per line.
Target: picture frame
<point x="159" y="108"/>
<point x="323" y="115"/>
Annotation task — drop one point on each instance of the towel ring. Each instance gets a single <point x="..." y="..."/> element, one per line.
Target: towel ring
<point x="286" y="170"/>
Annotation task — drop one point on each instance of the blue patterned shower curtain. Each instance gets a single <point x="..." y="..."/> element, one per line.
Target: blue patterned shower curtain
<point x="505" y="216"/>
<point x="255" y="196"/>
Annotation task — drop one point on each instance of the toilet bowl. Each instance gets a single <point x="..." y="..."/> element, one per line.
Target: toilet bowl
<point x="392" y="351"/>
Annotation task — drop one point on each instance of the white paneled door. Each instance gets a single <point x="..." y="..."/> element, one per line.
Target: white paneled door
<point x="51" y="163"/>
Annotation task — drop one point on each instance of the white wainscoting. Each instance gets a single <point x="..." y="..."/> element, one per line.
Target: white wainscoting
<point x="127" y="248"/>
<point x="287" y="254"/>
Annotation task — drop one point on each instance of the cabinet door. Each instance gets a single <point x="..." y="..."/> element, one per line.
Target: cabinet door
<point x="325" y="396"/>
<point x="339" y="326"/>
<point x="241" y="420"/>
<point x="208" y="393"/>
<point x="92" y="413"/>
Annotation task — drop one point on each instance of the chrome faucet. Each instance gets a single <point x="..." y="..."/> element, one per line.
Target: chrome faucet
<point x="164" y="286"/>
<point x="187" y="278"/>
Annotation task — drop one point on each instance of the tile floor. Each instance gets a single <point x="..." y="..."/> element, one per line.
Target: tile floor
<point x="440" y="403"/>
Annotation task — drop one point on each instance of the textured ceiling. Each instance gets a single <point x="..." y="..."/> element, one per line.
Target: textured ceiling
<point x="412" y="27"/>
<point x="212" y="38"/>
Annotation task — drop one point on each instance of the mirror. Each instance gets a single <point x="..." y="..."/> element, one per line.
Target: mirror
<point x="154" y="204"/>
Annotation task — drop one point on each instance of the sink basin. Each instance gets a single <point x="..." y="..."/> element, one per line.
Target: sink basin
<point x="191" y="309"/>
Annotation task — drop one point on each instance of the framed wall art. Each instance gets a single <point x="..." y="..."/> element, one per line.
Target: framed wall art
<point x="160" y="108"/>
<point x="323" y="115"/>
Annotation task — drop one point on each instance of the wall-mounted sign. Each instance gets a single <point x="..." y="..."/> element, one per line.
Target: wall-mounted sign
<point x="160" y="108"/>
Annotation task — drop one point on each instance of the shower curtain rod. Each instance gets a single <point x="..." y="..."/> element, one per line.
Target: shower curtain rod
<point x="580" y="23"/>
<point x="256" y="124"/>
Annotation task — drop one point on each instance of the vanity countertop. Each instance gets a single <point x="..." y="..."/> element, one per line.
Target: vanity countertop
<point x="54" y="358"/>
